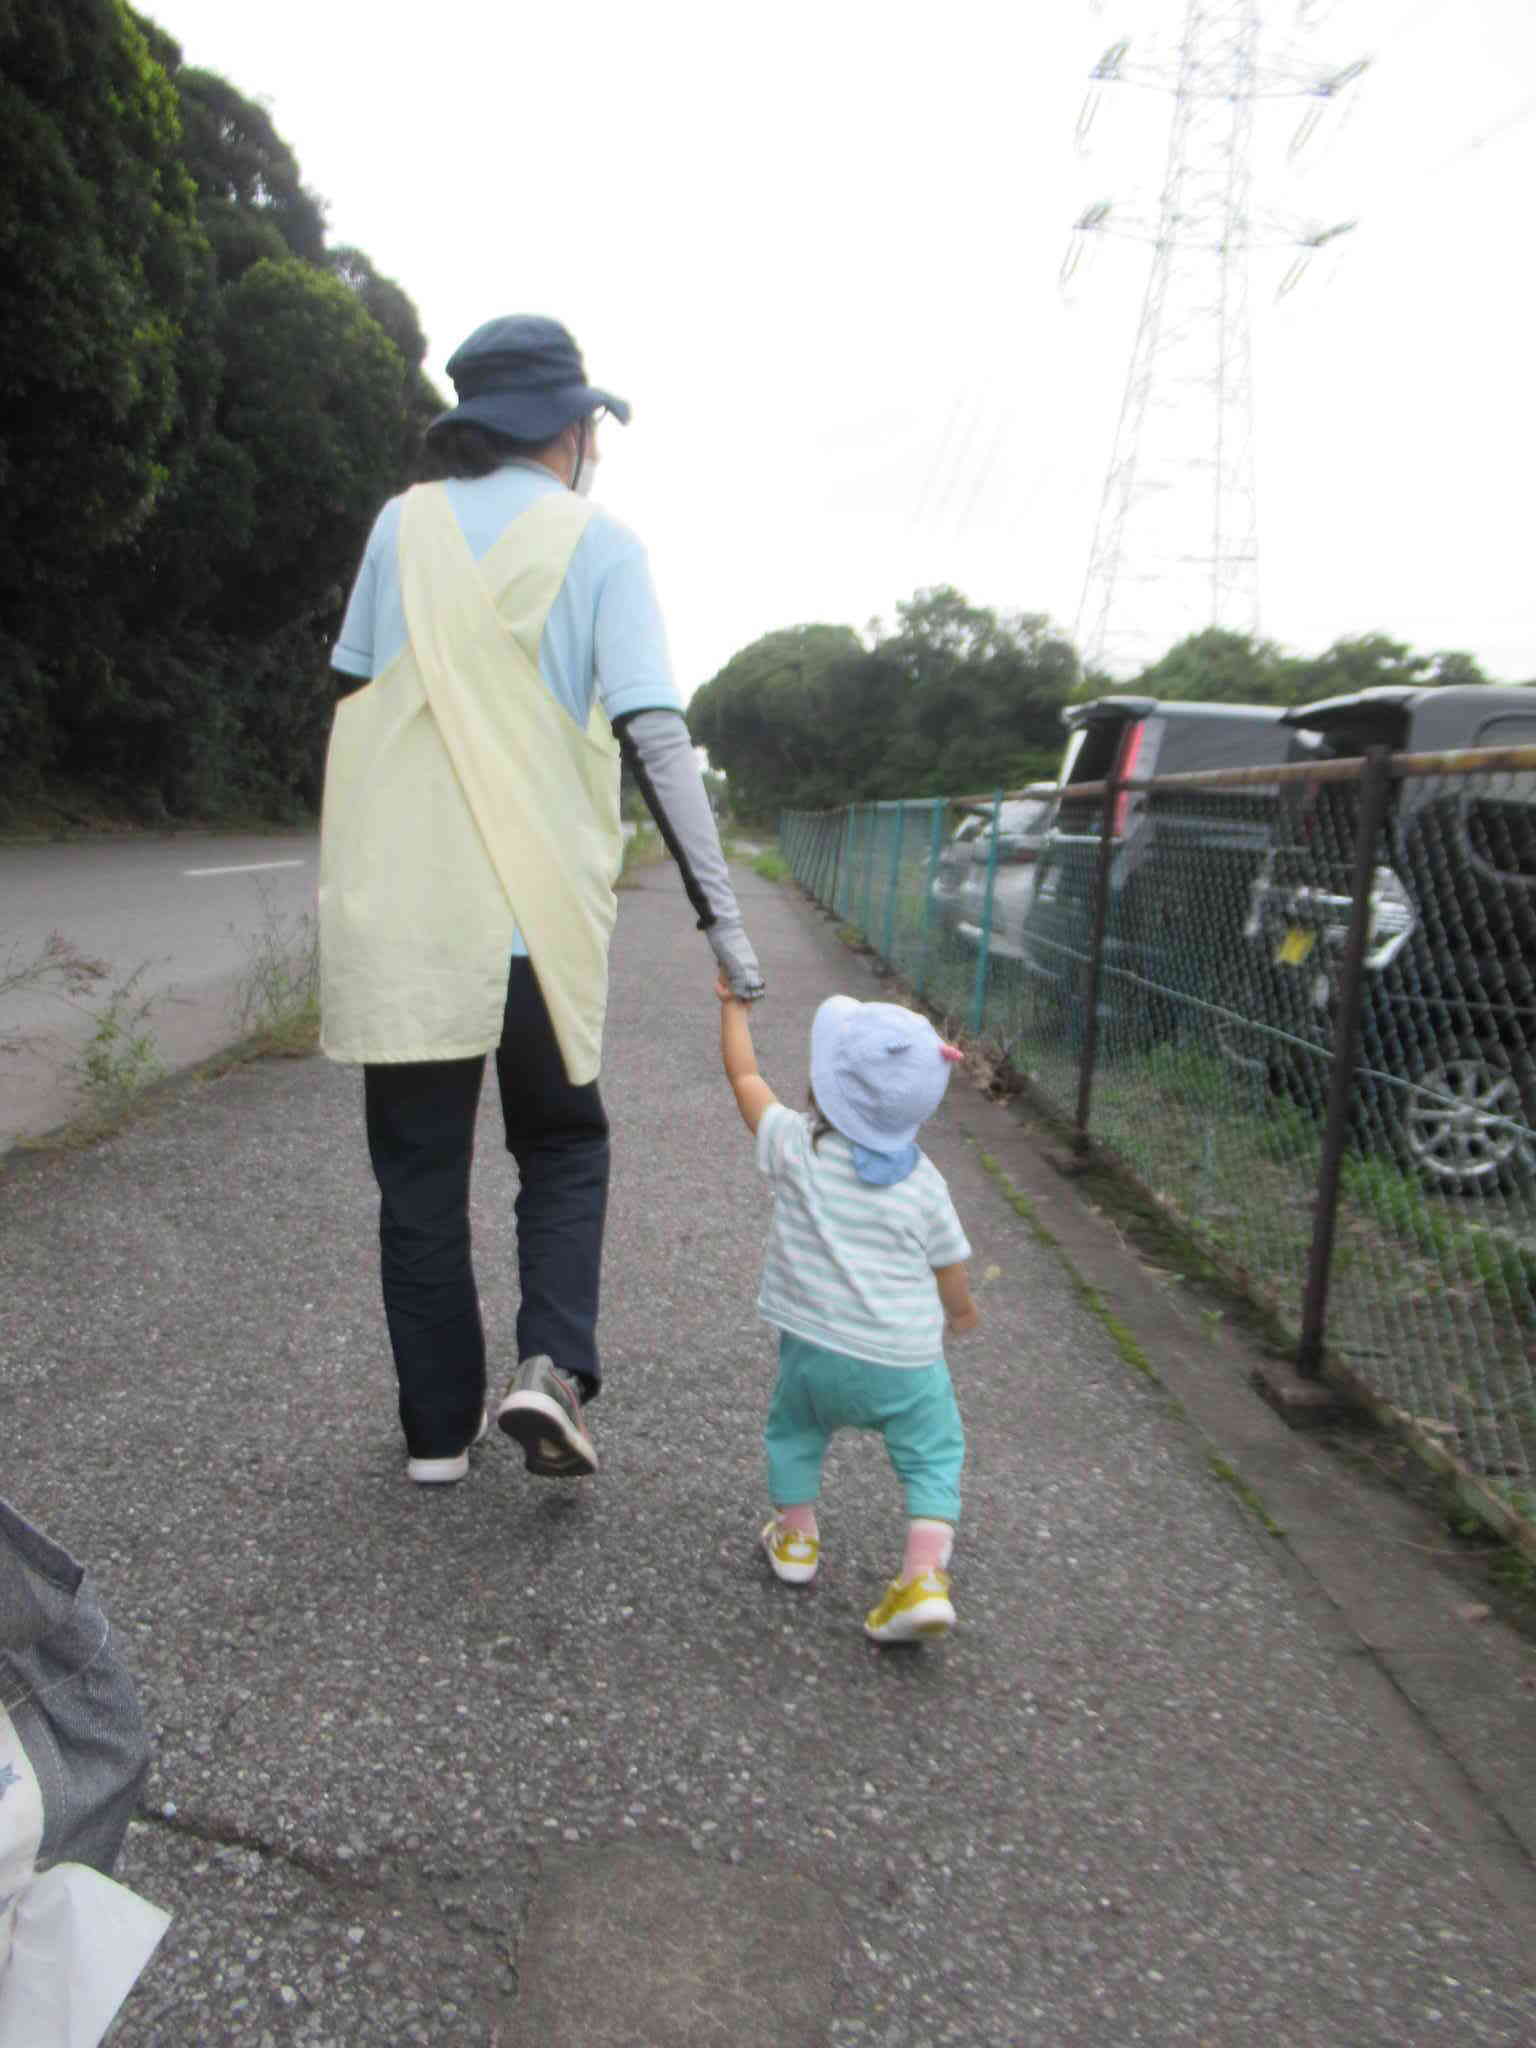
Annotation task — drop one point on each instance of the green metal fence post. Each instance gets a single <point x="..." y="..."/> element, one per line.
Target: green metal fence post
<point x="1098" y="925"/>
<point x="890" y="907"/>
<point x="984" y="950"/>
<point x="935" y="846"/>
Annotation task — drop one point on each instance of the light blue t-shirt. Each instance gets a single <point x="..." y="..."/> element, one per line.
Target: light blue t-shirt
<point x="604" y="629"/>
<point x="850" y="1266"/>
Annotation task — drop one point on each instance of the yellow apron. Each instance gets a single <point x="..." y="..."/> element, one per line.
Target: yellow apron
<point x="463" y="804"/>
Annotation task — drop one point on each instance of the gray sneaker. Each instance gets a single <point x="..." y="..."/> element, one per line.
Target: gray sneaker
<point x="542" y="1412"/>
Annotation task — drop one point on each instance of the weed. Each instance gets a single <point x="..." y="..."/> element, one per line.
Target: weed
<point x="120" y="1058"/>
<point x="58" y="968"/>
<point x="277" y="999"/>
<point x="771" y="867"/>
<point x="1122" y="1338"/>
<point x="1230" y="1476"/>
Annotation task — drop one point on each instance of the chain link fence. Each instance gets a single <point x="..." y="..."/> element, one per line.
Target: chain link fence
<point x="1299" y="1004"/>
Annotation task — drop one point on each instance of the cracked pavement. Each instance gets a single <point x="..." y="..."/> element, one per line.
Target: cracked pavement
<point x="521" y="1761"/>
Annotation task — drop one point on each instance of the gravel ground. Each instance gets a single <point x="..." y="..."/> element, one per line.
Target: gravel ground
<point x="522" y="1761"/>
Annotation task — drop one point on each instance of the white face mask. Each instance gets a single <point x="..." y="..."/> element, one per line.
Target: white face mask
<point x="586" y="468"/>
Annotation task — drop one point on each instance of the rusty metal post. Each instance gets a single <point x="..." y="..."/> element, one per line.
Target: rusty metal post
<point x="1375" y="782"/>
<point x="1098" y="925"/>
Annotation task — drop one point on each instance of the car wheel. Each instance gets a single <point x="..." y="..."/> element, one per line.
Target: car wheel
<point x="1464" y="1125"/>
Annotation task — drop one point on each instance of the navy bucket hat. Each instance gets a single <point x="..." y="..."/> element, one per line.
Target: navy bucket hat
<point x="523" y="376"/>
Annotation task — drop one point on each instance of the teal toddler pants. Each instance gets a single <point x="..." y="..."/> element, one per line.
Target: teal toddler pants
<point x="913" y="1408"/>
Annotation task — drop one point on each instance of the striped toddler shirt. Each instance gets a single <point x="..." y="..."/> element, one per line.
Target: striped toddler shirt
<point x="850" y="1266"/>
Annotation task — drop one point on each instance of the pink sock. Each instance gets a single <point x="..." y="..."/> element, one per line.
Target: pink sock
<point x="801" y="1518"/>
<point x="928" y="1548"/>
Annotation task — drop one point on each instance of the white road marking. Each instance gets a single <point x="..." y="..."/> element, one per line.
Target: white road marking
<point x="255" y="867"/>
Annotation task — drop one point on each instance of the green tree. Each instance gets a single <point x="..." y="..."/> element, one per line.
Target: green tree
<point x="758" y="716"/>
<point x="314" y="393"/>
<point x="953" y="697"/>
<point x="1218" y="666"/>
<point x="982" y="697"/>
<point x="101" y="263"/>
<point x="251" y="198"/>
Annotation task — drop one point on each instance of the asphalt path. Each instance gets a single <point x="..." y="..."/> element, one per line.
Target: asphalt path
<point x="524" y="1762"/>
<point x="181" y="912"/>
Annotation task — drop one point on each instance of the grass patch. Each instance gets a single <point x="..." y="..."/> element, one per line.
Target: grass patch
<point x="1503" y="1268"/>
<point x="771" y="867"/>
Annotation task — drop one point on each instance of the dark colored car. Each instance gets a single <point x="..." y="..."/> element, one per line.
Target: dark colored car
<point x="960" y="885"/>
<point x="1182" y="865"/>
<point x="1449" y="1021"/>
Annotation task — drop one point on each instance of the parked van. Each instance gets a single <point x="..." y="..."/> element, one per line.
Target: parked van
<point x="1183" y="861"/>
<point x="1009" y="854"/>
<point x="1449" y="1020"/>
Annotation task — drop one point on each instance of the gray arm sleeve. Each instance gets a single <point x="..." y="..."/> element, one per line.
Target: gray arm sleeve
<point x="660" y="756"/>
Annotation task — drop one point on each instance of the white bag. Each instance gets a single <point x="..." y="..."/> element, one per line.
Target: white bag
<point x="73" y="1755"/>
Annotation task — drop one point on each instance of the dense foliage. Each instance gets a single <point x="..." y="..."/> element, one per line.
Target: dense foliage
<point x="1221" y="667"/>
<point x="955" y="700"/>
<point x="951" y="699"/>
<point x="201" y="408"/>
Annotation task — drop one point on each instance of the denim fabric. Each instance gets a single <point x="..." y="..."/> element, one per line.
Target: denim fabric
<point x="71" y="1703"/>
<point x="421" y="1126"/>
<point x="913" y="1408"/>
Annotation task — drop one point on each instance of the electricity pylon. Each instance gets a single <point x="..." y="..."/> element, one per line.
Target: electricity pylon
<point x="1178" y="513"/>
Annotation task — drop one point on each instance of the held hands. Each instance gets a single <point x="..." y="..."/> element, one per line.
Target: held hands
<point x="737" y="961"/>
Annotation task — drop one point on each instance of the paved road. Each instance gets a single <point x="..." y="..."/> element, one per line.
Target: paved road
<point x="517" y="1763"/>
<point x="186" y="908"/>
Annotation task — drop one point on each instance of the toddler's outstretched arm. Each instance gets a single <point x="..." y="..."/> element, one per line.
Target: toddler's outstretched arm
<point x="753" y="1095"/>
<point x="960" y="1311"/>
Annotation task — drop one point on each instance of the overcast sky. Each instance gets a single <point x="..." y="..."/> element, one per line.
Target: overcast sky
<point x="818" y="247"/>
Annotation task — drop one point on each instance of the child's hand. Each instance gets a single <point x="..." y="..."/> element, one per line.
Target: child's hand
<point x="968" y="1319"/>
<point x="723" y="990"/>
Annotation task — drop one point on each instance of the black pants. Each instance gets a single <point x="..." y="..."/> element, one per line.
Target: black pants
<point x="421" y="1124"/>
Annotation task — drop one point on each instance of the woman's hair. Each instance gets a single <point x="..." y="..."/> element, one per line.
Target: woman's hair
<point x="462" y="449"/>
<point x="820" y="1122"/>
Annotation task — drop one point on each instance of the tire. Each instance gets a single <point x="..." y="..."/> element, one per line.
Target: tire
<point x="1449" y="1127"/>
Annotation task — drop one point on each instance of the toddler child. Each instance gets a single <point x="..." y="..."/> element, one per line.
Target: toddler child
<point x="865" y="1265"/>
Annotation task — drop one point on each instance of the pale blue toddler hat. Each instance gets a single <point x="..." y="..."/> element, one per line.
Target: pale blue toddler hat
<point x="878" y="1072"/>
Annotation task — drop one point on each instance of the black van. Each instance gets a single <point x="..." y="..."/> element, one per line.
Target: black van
<point x="1182" y="867"/>
<point x="1449" y="1022"/>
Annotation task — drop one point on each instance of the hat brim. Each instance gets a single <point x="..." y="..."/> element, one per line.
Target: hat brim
<point x="532" y="415"/>
<point x="834" y="1105"/>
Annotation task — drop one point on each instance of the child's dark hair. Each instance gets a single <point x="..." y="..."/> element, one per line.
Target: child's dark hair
<point x="820" y="1124"/>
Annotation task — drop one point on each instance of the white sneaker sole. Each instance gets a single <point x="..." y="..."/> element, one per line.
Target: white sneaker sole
<point x="531" y="1418"/>
<point x="445" y="1471"/>
<point x="437" y="1471"/>
<point x="789" y="1574"/>
<point x="926" y="1622"/>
